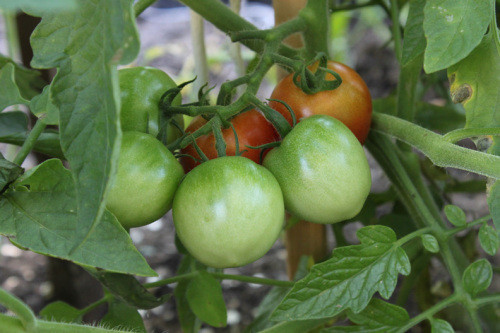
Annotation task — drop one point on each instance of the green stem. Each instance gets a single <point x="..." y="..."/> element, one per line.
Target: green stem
<point x="30" y="142"/>
<point x="465" y="133"/>
<point x="141" y="6"/>
<point x="427" y="314"/>
<point x="316" y="16"/>
<point x="222" y="276"/>
<point x="481" y="220"/>
<point x="334" y="8"/>
<point x="438" y="150"/>
<point x="485" y="300"/>
<point x="385" y="152"/>
<point x="14" y="304"/>
<point x="215" y="12"/>
<point x="396" y="32"/>
<point x="12" y="35"/>
<point x="255" y="280"/>
<point x="407" y="89"/>
<point x="412" y="235"/>
<point x="171" y="280"/>
<point x="14" y="325"/>
<point x="338" y="233"/>
<point x="97" y="303"/>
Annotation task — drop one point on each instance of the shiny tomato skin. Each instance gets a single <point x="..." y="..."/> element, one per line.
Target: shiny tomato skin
<point x="252" y="129"/>
<point x="228" y="211"/>
<point x="146" y="179"/>
<point x="322" y="171"/>
<point x="351" y="102"/>
<point x="140" y="90"/>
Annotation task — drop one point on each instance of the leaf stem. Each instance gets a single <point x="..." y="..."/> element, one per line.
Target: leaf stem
<point x="14" y="325"/>
<point x="439" y="151"/>
<point x="255" y="280"/>
<point x="30" y="141"/>
<point x="215" y="12"/>
<point x="97" y="303"/>
<point x="485" y="300"/>
<point x="316" y="16"/>
<point x="427" y="314"/>
<point x="396" y="32"/>
<point x="222" y="276"/>
<point x="170" y="280"/>
<point x="412" y="235"/>
<point x="465" y="133"/>
<point x="14" y="304"/>
<point x="456" y="230"/>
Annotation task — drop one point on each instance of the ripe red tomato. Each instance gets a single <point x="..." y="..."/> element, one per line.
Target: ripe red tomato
<point x="351" y="102"/>
<point x="252" y="129"/>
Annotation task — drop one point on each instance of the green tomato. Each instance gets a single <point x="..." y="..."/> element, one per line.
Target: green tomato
<point x="228" y="211"/>
<point x="141" y="89"/>
<point x="146" y="180"/>
<point x="322" y="170"/>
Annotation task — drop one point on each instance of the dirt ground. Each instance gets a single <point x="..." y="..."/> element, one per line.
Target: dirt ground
<point x="165" y="40"/>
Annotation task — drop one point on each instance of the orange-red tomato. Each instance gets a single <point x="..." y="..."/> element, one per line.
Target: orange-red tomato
<point x="252" y="129"/>
<point x="351" y="102"/>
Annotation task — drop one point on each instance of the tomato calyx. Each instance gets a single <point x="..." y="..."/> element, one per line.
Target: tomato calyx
<point x="312" y="83"/>
<point x="274" y="117"/>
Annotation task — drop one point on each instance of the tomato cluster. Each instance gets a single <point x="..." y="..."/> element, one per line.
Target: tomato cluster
<point x="230" y="210"/>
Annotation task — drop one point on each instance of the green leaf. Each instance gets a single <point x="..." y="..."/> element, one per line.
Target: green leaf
<point x="297" y="326"/>
<point x="494" y="203"/>
<point x="441" y="326"/>
<point x="43" y="107"/>
<point x="274" y="298"/>
<point x="204" y="295"/>
<point x="477" y="277"/>
<point x="10" y="92"/>
<point x="349" y="279"/>
<point x="42" y="4"/>
<point x="414" y="38"/>
<point x="39" y="213"/>
<point x="455" y="215"/>
<point x="378" y="316"/>
<point x="123" y="316"/>
<point x="126" y="288"/>
<point x="28" y="81"/>
<point x="268" y="304"/>
<point x="453" y="28"/>
<point x="61" y="312"/>
<point x="8" y="172"/>
<point x="488" y="239"/>
<point x="430" y="243"/>
<point x="86" y="45"/>
<point x="14" y="130"/>
<point x="475" y="83"/>
<point x="440" y="118"/>
<point x="189" y="322"/>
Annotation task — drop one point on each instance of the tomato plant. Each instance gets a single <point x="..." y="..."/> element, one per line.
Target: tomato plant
<point x="228" y="211"/>
<point x="251" y="128"/>
<point x="141" y="89"/>
<point x="146" y="180"/>
<point x="351" y="102"/>
<point x="322" y="170"/>
<point x="434" y="81"/>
